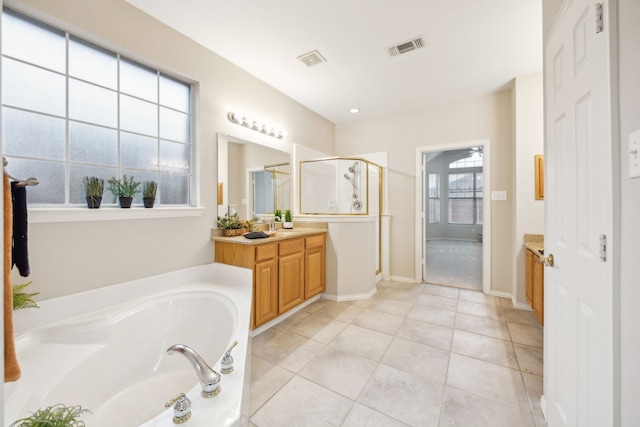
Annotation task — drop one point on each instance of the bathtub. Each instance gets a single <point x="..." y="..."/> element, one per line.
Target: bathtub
<point x="105" y="349"/>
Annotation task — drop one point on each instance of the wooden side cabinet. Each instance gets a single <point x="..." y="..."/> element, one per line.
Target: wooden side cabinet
<point x="290" y="274"/>
<point x="534" y="283"/>
<point x="285" y="272"/>
<point x="315" y="263"/>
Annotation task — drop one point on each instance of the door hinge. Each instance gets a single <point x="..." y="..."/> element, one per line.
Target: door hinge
<point x="602" y="246"/>
<point x="599" y="18"/>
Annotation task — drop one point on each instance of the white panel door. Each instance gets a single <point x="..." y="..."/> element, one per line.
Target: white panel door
<point x="578" y="373"/>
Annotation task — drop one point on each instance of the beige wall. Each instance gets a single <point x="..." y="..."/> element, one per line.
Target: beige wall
<point x="72" y="257"/>
<point x="485" y="117"/>
<point x="528" y="213"/>
<point x="629" y="211"/>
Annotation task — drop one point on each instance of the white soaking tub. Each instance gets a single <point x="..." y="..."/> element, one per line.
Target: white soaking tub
<point x="105" y="349"/>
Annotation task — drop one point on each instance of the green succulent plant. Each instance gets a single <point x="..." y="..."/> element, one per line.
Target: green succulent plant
<point x="126" y="186"/>
<point x="22" y="300"/>
<point x="149" y="189"/>
<point x="54" y="416"/>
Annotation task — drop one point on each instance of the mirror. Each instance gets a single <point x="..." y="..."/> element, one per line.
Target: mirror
<point x="253" y="179"/>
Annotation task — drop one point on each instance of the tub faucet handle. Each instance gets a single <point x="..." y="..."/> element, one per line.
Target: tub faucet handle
<point x="181" y="408"/>
<point x="226" y="365"/>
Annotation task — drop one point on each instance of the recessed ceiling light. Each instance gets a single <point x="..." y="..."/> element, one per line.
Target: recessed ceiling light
<point x="354" y="110"/>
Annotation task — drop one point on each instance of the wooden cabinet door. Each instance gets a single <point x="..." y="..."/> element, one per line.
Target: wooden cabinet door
<point x="529" y="261"/>
<point x="266" y="292"/>
<point x="315" y="271"/>
<point x="538" y="290"/>
<point x="291" y="281"/>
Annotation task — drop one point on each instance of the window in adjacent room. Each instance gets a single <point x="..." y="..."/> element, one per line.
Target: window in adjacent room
<point x="465" y="189"/>
<point x="434" y="198"/>
<point x="72" y="109"/>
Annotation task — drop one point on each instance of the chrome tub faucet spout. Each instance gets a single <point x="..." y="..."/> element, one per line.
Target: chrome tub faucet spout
<point x="209" y="379"/>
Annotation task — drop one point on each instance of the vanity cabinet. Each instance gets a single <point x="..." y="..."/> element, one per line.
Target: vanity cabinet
<point x="534" y="283"/>
<point x="286" y="272"/>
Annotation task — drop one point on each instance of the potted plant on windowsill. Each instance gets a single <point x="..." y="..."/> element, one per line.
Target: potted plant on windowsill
<point x="55" y="416"/>
<point x="149" y="189"/>
<point x="288" y="220"/>
<point x="93" y="190"/>
<point x="124" y="189"/>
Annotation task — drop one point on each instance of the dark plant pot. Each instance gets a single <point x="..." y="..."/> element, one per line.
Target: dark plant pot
<point x="148" y="201"/>
<point x="125" y="202"/>
<point x="93" y="202"/>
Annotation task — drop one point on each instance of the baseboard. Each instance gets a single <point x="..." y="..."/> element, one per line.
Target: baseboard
<point x="543" y="406"/>
<point x="403" y="279"/>
<point x="352" y="297"/>
<point x="522" y="306"/>
<point x="500" y="294"/>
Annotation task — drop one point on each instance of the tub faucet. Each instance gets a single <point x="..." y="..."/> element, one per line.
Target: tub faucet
<point x="209" y="379"/>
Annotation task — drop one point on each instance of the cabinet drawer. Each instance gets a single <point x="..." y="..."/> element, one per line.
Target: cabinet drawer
<point x="265" y="251"/>
<point x="313" y="241"/>
<point x="291" y="246"/>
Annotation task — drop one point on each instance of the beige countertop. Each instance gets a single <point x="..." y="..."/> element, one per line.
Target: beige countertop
<point x="534" y="242"/>
<point x="280" y="235"/>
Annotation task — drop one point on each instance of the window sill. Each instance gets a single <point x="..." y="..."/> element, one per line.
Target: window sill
<point x="50" y="215"/>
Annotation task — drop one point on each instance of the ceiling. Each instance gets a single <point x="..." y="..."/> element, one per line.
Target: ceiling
<point x="472" y="47"/>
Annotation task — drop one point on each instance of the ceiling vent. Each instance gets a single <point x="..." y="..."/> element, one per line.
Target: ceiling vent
<point x="312" y="58"/>
<point x="407" y="46"/>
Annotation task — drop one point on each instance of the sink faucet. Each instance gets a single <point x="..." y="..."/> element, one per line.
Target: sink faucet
<point x="209" y="379"/>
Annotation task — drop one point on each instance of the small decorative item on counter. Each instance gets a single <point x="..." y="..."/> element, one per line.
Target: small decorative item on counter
<point x="232" y="225"/>
<point x="277" y="215"/>
<point x="288" y="220"/>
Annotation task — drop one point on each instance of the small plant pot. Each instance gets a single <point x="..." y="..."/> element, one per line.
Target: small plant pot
<point x="288" y="225"/>
<point x="148" y="201"/>
<point x="125" y="202"/>
<point x="93" y="202"/>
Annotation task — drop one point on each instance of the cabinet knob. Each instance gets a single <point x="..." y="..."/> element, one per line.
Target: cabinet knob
<point x="546" y="260"/>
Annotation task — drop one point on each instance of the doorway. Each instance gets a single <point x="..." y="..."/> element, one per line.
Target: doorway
<point x="454" y="215"/>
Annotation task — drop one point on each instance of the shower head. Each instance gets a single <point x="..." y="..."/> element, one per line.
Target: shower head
<point x="346" y="175"/>
<point x="353" y="168"/>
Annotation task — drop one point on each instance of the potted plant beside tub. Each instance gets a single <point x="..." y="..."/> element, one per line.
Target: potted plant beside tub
<point x="149" y="189"/>
<point x="124" y="189"/>
<point x="93" y="190"/>
<point x="288" y="220"/>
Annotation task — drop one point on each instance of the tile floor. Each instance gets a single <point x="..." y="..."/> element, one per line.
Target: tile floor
<point x="454" y="263"/>
<point x="412" y="355"/>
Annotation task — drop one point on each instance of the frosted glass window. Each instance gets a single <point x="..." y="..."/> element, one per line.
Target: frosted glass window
<point x="92" y="104"/>
<point x="33" y="41"/>
<point x="174" y="125"/>
<point x="138" y="116"/>
<point x="51" y="187"/>
<point x="174" y="157"/>
<point x="72" y="109"/>
<point x="91" y="63"/>
<point x="24" y="85"/>
<point x="139" y="152"/>
<point x="175" y="94"/>
<point x="175" y="189"/>
<point x="138" y="81"/>
<point x="33" y="135"/>
<point x="76" y="188"/>
<point x="93" y="144"/>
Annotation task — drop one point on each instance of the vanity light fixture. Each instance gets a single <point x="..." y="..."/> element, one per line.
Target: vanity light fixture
<point x="256" y="125"/>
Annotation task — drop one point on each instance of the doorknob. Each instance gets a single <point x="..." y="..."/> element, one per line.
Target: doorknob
<point x="546" y="260"/>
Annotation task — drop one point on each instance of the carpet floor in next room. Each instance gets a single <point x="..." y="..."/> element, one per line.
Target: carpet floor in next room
<point x="412" y="355"/>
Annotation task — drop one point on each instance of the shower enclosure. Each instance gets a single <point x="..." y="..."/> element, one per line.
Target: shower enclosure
<point x="343" y="186"/>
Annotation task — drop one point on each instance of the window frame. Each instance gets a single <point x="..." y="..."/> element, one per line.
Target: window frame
<point x="437" y="220"/>
<point x="67" y="211"/>
<point x="477" y="201"/>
